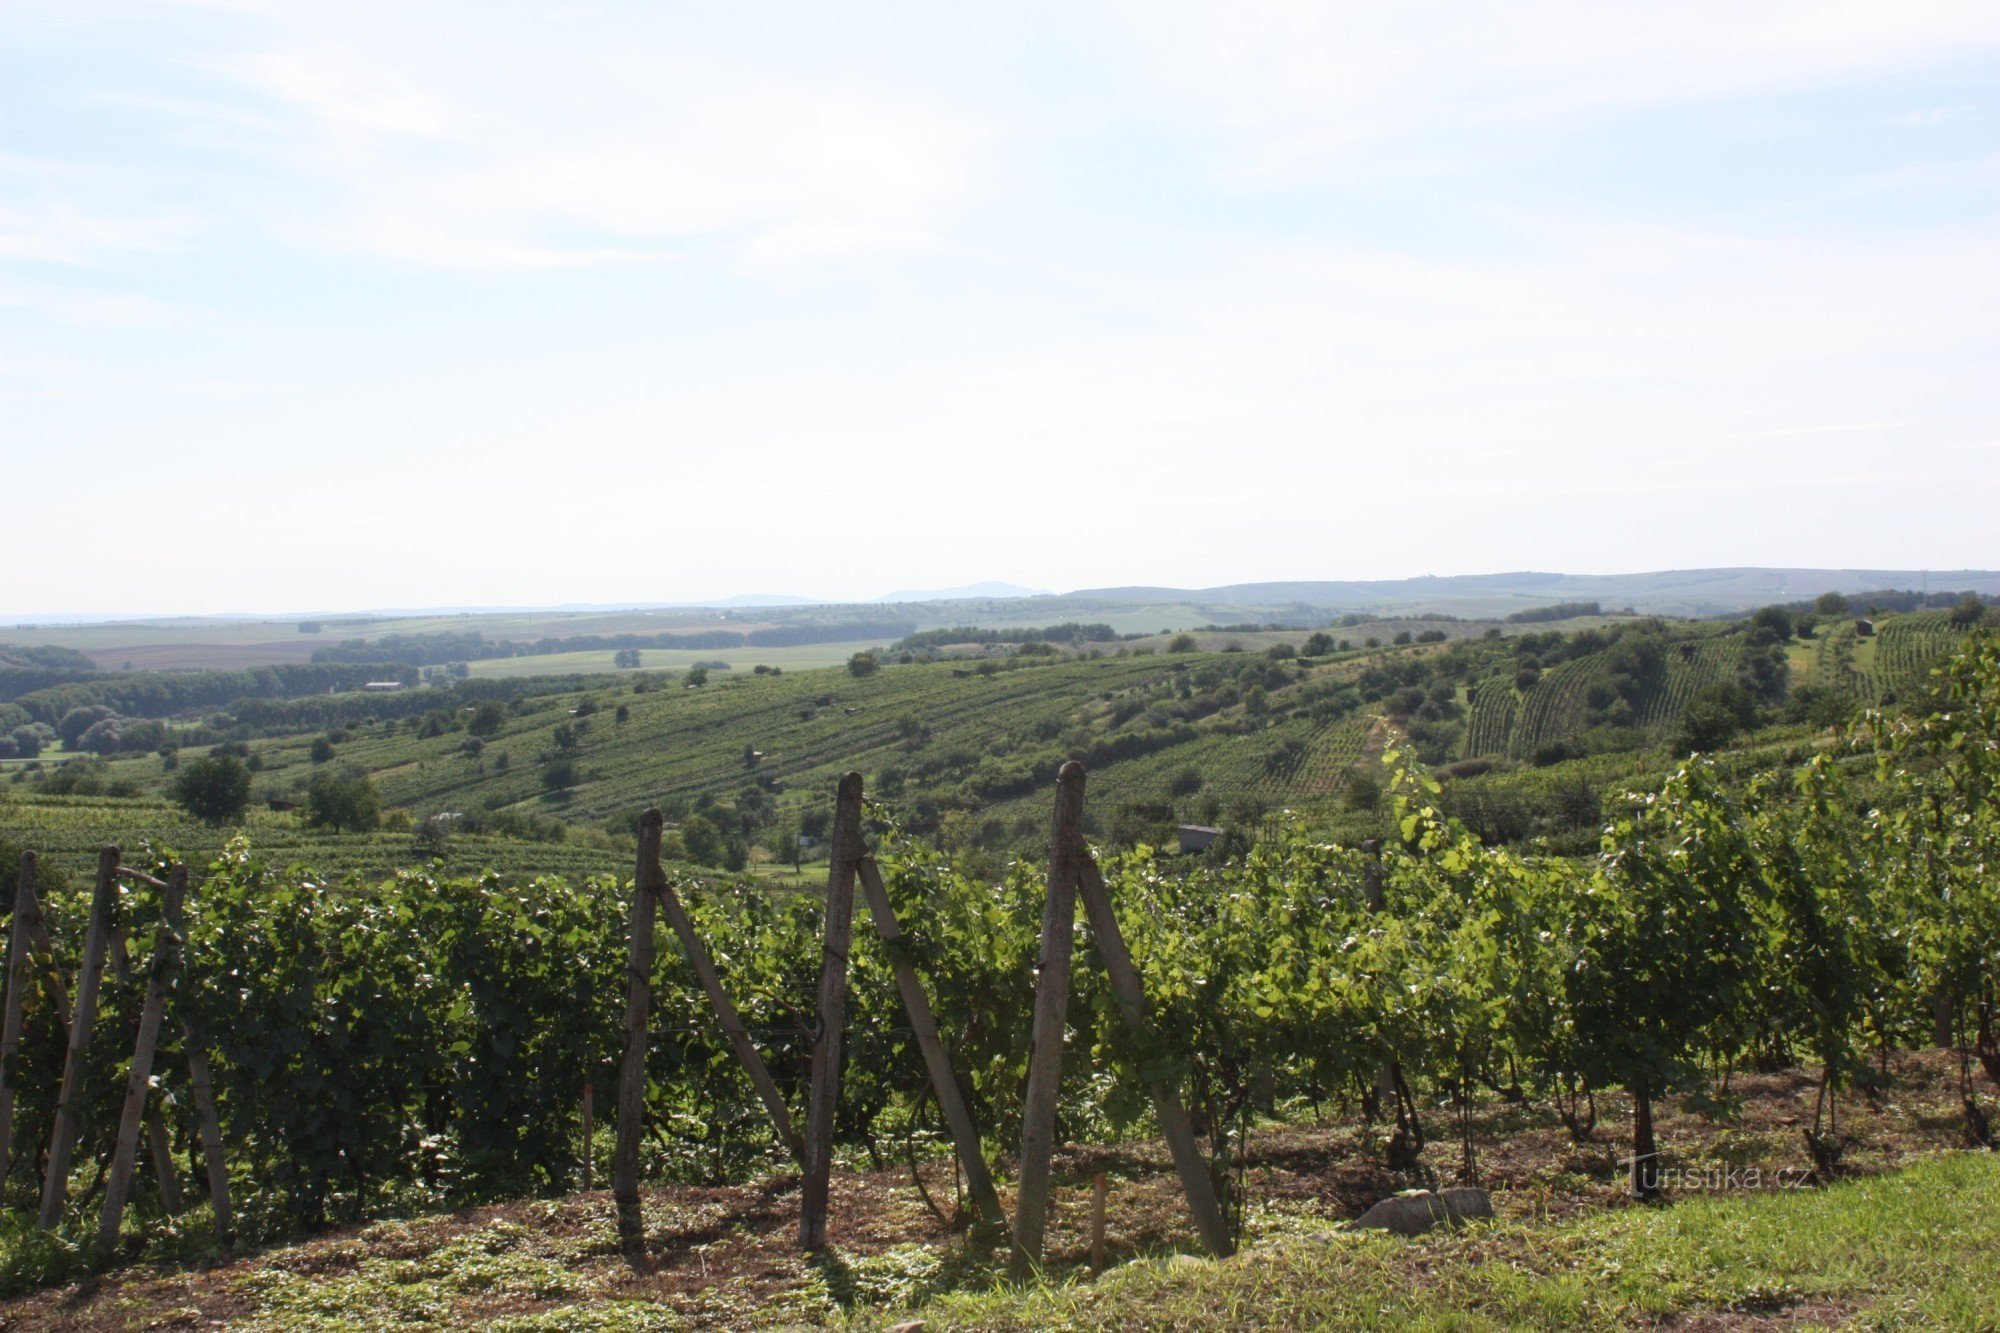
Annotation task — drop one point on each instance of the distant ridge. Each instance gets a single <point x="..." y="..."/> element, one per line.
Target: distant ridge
<point x="989" y="590"/>
<point x="1674" y="591"/>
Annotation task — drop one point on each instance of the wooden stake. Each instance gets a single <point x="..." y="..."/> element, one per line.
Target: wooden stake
<point x="62" y="1141"/>
<point x="823" y="1100"/>
<point x="19" y="931"/>
<point x="1372" y="896"/>
<point x="589" y="1136"/>
<point x="1100" y="1191"/>
<point x="725" y="1012"/>
<point x="139" y="1081"/>
<point x="964" y="1134"/>
<point x="161" y="1149"/>
<point x="208" y="1126"/>
<point x="632" y="1073"/>
<point x="1174" y="1125"/>
<point x="1038" y="1112"/>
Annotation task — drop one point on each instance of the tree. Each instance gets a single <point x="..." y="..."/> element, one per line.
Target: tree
<point x="215" y="789"/>
<point x="343" y="804"/>
<point x="626" y="659"/>
<point x="1968" y="612"/>
<point x="487" y="718"/>
<point x="1318" y="644"/>
<point x="862" y="664"/>
<point x="1774" y="621"/>
<point x="697" y="676"/>
<point x="79" y="720"/>
<point x="1713" y="716"/>
<point x="1831" y="604"/>
<point x="1182" y="643"/>
<point x="322" y="750"/>
<point x="703" y="841"/>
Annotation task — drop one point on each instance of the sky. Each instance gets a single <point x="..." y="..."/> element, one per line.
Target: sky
<point x="310" y="306"/>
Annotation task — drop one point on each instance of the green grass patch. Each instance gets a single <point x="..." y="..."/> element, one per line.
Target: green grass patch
<point x="1917" y="1249"/>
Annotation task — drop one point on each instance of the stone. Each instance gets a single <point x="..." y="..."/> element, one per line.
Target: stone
<point x="1414" y="1213"/>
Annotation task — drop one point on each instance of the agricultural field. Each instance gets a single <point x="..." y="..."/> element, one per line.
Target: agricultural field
<point x="804" y="657"/>
<point x="1226" y="737"/>
<point x="68" y="830"/>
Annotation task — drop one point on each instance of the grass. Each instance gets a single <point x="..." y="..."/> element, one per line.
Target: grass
<point x="1918" y="1249"/>
<point x="1909" y="1240"/>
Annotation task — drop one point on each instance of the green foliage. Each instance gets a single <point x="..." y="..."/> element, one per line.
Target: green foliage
<point x="216" y="788"/>
<point x="342" y="803"/>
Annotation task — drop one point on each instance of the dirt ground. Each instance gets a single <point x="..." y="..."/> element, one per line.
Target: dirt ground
<point x="715" y="1255"/>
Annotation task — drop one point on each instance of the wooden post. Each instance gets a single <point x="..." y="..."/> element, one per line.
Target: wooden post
<point x="589" y="1135"/>
<point x="208" y="1125"/>
<point x="1100" y="1190"/>
<point x="161" y="1148"/>
<point x="139" y="1081"/>
<point x="823" y="1100"/>
<point x="18" y="934"/>
<point x="1373" y="898"/>
<point x="1038" y="1112"/>
<point x="964" y="1134"/>
<point x="1371" y="875"/>
<point x="632" y="1073"/>
<point x="96" y="938"/>
<point x="1174" y="1125"/>
<point x="725" y="1012"/>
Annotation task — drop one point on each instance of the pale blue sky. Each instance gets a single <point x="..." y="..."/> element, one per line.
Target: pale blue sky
<point x="369" y="304"/>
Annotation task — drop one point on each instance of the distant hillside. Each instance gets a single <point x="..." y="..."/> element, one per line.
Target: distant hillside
<point x="1686" y="592"/>
<point x="989" y="589"/>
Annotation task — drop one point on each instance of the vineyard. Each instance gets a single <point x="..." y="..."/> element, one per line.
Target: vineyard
<point x="68" y="830"/>
<point x="1692" y="666"/>
<point x="428" y="1040"/>
<point x="1494" y="705"/>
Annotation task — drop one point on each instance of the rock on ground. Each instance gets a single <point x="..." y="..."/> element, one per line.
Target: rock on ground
<point x="1416" y="1212"/>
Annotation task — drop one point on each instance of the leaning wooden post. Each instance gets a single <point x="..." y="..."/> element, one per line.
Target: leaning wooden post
<point x="823" y="1100"/>
<point x="161" y="1148"/>
<point x="208" y="1126"/>
<point x="125" y="1156"/>
<point x="1196" y="1182"/>
<point x="18" y="935"/>
<point x="96" y="940"/>
<point x="1038" y="1112"/>
<point x="632" y="1073"/>
<point x="725" y="1011"/>
<point x="964" y="1134"/>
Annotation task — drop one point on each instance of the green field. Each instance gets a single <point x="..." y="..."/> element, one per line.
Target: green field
<point x="805" y="657"/>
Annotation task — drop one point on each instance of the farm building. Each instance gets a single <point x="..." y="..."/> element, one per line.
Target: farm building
<point x="1197" y="837"/>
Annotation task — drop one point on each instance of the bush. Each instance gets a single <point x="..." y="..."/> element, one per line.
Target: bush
<point x="214" y="789"/>
<point x="322" y="750"/>
<point x="861" y="664"/>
